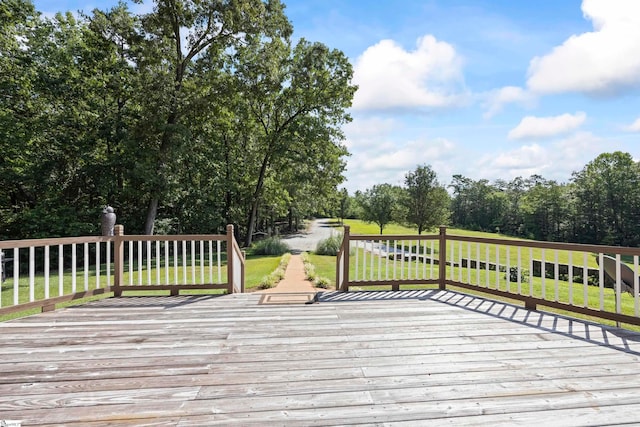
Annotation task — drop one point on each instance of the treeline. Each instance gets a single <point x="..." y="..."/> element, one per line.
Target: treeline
<point x="185" y="119"/>
<point x="600" y="204"/>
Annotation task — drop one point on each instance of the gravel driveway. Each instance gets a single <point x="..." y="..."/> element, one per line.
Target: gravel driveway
<point x="307" y="241"/>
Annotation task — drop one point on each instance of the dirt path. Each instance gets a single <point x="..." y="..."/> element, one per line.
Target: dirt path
<point x="294" y="279"/>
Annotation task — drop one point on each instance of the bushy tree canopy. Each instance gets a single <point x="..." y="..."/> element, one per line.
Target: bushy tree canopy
<point x="193" y="116"/>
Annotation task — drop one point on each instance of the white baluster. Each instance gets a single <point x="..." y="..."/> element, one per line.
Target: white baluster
<point x="86" y="266"/>
<point x="32" y="273"/>
<point x="46" y="272"/>
<point x="98" y="266"/>
<point x="73" y="268"/>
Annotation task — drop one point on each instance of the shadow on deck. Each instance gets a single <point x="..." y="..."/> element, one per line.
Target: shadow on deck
<point x="384" y="358"/>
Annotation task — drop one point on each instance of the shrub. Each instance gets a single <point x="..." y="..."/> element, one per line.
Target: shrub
<point x="322" y="282"/>
<point x="310" y="272"/>
<point x="591" y="281"/>
<point x="330" y="245"/>
<point x="270" y="246"/>
<point x="276" y="275"/>
<point x="513" y="274"/>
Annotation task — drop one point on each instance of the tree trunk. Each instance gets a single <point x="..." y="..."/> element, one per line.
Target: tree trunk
<point x="228" y="195"/>
<point x="290" y="219"/>
<point x="256" y="199"/>
<point x="250" y="224"/>
<point x="152" y="212"/>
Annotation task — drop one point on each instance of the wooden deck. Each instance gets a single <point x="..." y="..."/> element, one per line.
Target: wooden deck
<point x="405" y="358"/>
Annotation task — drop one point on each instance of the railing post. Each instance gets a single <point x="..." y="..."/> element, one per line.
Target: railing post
<point x="230" y="255"/>
<point x="345" y="266"/>
<point x="244" y="260"/>
<point x="442" y="259"/>
<point x="118" y="259"/>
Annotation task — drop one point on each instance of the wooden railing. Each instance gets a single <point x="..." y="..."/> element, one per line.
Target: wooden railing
<point x="42" y="273"/>
<point x="564" y="276"/>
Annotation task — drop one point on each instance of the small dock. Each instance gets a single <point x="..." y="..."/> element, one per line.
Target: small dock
<point x="425" y="357"/>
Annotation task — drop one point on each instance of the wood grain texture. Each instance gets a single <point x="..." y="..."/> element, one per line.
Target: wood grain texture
<point x="375" y="358"/>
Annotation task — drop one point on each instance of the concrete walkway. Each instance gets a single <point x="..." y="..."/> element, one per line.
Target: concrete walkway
<point x="294" y="279"/>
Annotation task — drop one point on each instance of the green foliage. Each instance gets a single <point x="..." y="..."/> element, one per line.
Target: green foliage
<point x="600" y="205"/>
<point x="257" y="267"/>
<point x="513" y="274"/>
<point x="330" y="245"/>
<point x="323" y="283"/>
<point x="607" y="199"/>
<point x="311" y="274"/>
<point x="295" y="100"/>
<point x="275" y="276"/>
<point x="270" y="246"/>
<point x="144" y="112"/>
<point x="380" y="204"/>
<point x="426" y="201"/>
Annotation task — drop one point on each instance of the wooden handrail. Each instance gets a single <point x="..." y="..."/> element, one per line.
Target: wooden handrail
<point x="83" y="256"/>
<point x="500" y="272"/>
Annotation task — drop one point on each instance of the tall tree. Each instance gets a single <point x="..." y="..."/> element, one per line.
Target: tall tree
<point x="298" y="99"/>
<point x="513" y="216"/>
<point x="18" y="19"/>
<point x="344" y="205"/>
<point x="545" y="209"/>
<point x="477" y="205"/>
<point x="177" y="32"/>
<point x="427" y="201"/>
<point x="607" y="192"/>
<point x="379" y="204"/>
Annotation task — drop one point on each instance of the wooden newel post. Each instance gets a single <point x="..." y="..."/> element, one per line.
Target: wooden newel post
<point x="230" y="255"/>
<point x="442" y="259"/>
<point x="346" y="245"/>
<point x="118" y="259"/>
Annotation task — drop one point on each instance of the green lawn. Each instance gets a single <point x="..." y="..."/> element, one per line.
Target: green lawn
<point x="257" y="267"/>
<point x="325" y="266"/>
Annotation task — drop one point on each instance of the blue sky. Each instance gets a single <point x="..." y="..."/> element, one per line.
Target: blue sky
<point x="489" y="89"/>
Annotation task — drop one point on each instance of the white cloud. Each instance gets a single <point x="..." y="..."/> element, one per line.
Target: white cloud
<point x="497" y="99"/>
<point x="385" y="160"/>
<point x="602" y="62"/>
<point x="580" y="148"/>
<point x="633" y="127"/>
<point x="523" y="161"/>
<point x="406" y="157"/>
<point x="546" y="127"/>
<point x="390" y="77"/>
<point x="361" y="131"/>
<point x="556" y="161"/>
<point x="525" y="158"/>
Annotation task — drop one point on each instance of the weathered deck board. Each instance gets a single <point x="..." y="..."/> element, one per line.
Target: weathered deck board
<point x="408" y="358"/>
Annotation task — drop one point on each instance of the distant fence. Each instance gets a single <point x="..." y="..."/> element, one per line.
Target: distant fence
<point x="41" y="273"/>
<point x="574" y="278"/>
